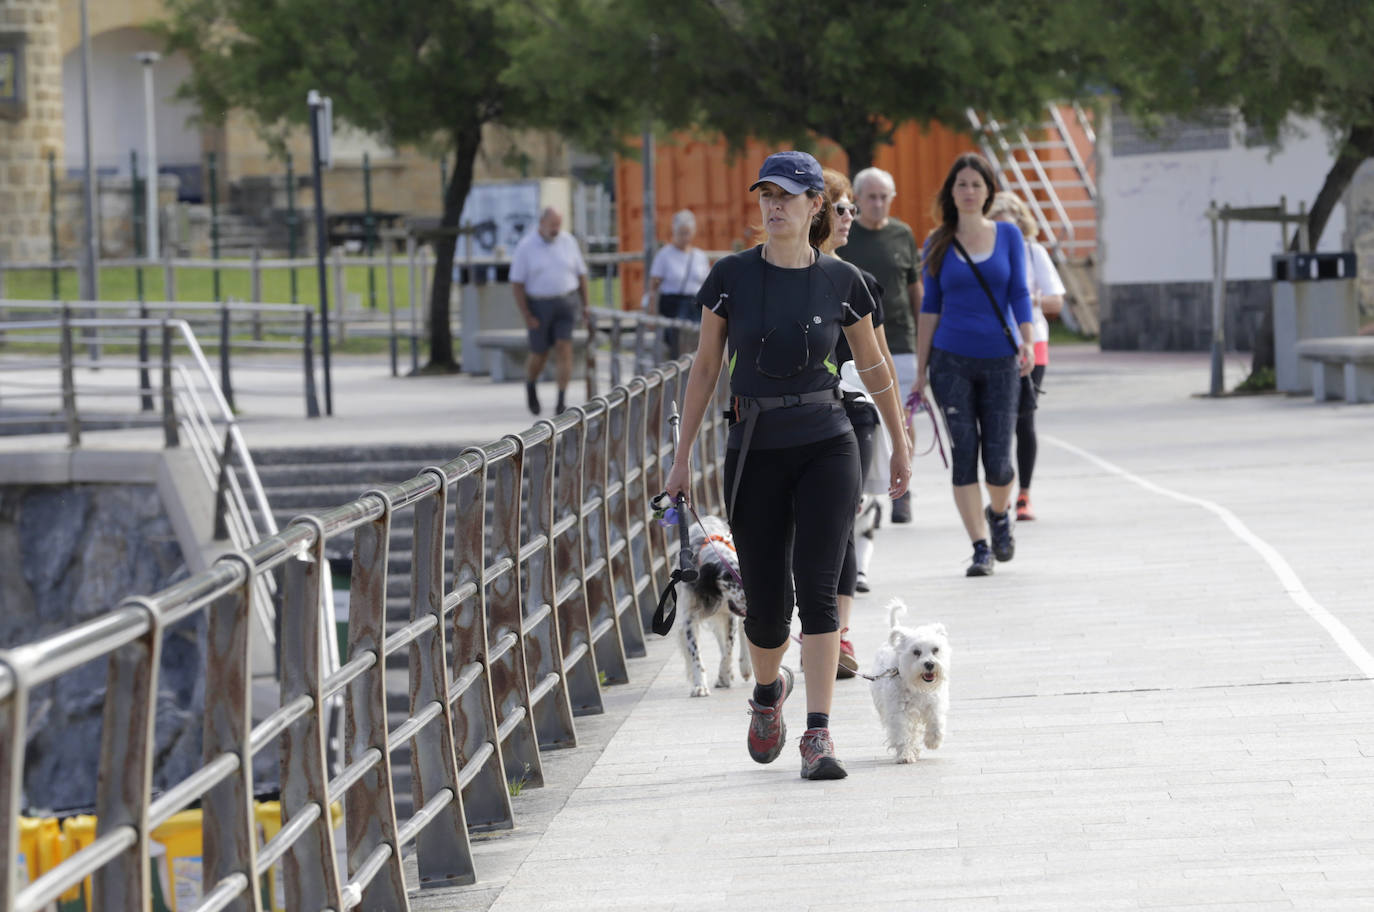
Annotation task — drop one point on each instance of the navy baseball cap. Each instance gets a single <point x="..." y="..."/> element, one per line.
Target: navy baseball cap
<point x="795" y="172"/>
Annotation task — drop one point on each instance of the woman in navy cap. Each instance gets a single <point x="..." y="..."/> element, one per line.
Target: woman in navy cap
<point x="792" y="464"/>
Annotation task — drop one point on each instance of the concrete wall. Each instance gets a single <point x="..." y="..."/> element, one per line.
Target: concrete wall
<point x="1155" y="247"/>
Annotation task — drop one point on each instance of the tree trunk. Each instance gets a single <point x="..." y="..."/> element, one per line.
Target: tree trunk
<point x="860" y="154"/>
<point x="467" y="139"/>
<point x="1358" y="148"/>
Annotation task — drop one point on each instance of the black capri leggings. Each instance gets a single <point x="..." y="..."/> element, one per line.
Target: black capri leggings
<point x="979" y="398"/>
<point x="865" y="422"/>
<point x="787" y="524"/>
<point x="1026" y="445"/>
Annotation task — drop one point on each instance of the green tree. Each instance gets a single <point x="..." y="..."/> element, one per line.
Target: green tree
<point x="423" y="72"/>
<point x="791" y="70"/>
<point x="1267" y="59"/>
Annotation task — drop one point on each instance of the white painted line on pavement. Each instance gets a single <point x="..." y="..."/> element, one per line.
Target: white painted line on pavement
<point x="1346" y="640"/>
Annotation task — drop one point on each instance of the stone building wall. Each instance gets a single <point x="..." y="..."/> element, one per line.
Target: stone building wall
<point x="25" y="143"/>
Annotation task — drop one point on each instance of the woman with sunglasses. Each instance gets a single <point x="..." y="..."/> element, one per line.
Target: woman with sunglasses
<point x="967" y="350"/>
<point x="792" y="463"/>
<point x="862" y="412"/>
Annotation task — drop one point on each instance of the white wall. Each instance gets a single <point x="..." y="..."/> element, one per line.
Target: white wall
<point x="117" y="123"/>
<point x="1152" y="222"/>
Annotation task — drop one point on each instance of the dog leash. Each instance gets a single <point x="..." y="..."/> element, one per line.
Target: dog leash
<point x="684" y="572"/>
<point x="890" y="673"/>
<point x="917" y="403"/>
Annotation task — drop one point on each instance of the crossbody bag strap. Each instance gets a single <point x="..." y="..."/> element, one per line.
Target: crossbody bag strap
<point x="992" y="300"/>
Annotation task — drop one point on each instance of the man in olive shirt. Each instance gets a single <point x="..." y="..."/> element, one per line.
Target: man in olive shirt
<point x="886" y="247"/>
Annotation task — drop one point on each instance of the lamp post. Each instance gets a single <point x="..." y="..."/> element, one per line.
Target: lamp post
<point x="148" y="58"/>
<point x="90" y="279"/>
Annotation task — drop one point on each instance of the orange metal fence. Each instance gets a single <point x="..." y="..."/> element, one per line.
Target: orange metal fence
<point x="701" y="175"/>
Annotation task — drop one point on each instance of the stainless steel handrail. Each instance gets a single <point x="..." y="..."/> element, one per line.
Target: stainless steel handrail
<point x="539" y="608"/>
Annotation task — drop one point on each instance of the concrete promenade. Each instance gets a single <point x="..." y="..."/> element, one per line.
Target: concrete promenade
<point x="1165" y="702"/>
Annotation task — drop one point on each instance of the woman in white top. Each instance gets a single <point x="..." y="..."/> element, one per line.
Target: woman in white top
<point x="1047" y="297"/>
<point x="676" y="274"/>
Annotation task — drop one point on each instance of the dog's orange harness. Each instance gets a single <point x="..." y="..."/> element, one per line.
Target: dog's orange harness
<point x="716" y="538"/>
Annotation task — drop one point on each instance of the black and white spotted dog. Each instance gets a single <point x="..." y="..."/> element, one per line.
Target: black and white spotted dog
<point x="715" y="600"/>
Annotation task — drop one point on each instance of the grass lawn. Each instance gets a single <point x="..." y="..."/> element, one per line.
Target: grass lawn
<point x="120" y="283"/>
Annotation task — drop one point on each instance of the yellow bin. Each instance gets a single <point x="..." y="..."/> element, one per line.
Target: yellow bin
<point x="77" y="833"/>
<point x="180" y="836"/>
<point x="268" y="815"/>
<point x="39" y="839"/>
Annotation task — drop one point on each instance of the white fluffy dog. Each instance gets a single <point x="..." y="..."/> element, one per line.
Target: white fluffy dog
<point x="911" y="685"/>
<point x="715" y="599"/>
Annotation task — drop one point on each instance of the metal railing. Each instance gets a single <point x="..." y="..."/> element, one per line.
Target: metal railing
<point x="211" y="432"/>
<point x="546" y="603"/>
<point x="226" y="327"/>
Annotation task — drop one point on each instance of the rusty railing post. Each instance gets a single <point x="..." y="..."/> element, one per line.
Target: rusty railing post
<point x="487" y="804"/>
<point x="510" y="682"/>
<point x="443" y="851"/>
<point x="312" y="880"/>
<point x="228" y="827"/>
<point x="569" y="570"/>
<point x="370" y="804"/>
<point x="601" y="597"/>
<point x="553" y="719"/>
<point x="126" y="765"/>
<point x="618" y="544"/>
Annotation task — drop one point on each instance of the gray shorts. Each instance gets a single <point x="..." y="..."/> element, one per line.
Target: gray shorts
<point x="556" y="317"/>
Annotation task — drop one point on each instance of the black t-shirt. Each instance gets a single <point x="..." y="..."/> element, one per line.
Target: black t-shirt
<point x="782" y="325"/>
<point x="875" y="291"/>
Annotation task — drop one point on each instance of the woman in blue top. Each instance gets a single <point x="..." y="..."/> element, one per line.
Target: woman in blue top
<point x="968" y="352"/>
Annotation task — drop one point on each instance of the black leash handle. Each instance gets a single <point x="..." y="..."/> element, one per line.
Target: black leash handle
<point x="685" y="571"/>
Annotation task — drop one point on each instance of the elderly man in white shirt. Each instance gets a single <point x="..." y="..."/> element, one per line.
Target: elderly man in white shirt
<point x="548" y="275"/>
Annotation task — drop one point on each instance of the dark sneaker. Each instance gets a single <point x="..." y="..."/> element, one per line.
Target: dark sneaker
<point x="767" y="730"/>
<point x="818" y="756"/>
<point x="532" y="398"/>
<point x="1003" y="545"/>
<point x="848" y="662"/>
<point x="982" y="560"/>
<point x="901" y="509"/>
<point x="861" y="582"/>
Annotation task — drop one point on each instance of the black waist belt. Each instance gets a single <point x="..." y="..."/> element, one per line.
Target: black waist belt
<point x="748" y="408"/>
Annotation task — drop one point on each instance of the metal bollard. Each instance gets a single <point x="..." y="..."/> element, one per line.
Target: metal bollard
<point x="312" y="402"/>
<point x="169" y="414"/>
<point x="69" y="381"/>
<point x="225" y="384"/>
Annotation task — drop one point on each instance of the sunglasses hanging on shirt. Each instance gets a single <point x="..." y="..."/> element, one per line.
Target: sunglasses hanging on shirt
<point x="785" y="348"/>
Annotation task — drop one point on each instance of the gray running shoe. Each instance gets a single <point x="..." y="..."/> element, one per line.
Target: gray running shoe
<point x="999" y="524"/>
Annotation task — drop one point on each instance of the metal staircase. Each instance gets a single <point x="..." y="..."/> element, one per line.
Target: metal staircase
<point x="1051" y="170"/>
<point x="1050" y="166"/>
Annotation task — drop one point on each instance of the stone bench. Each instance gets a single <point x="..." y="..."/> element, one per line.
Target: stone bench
<point x="505" y="352"/>
<point x="1340" y="364"/>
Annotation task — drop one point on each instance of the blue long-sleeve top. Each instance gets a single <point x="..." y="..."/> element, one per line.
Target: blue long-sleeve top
<point x="968" y="325"/>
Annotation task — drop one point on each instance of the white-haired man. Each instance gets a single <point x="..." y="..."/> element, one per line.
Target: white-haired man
<point x="886" y="247"/>
<point x="548" y="276"/>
